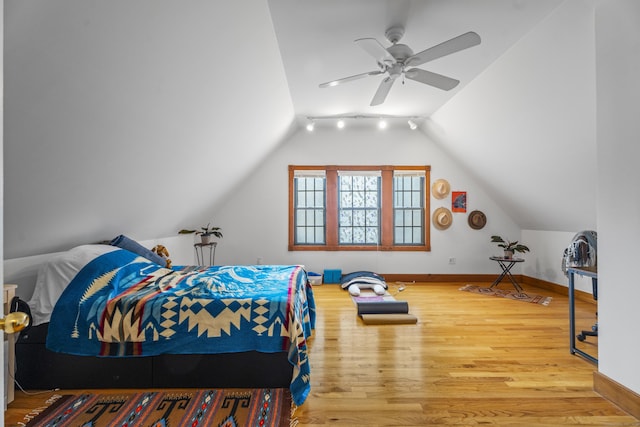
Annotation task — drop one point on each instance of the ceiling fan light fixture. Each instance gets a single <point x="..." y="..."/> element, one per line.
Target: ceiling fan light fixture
<point x="340" y="124"/>
<point x="412" y="124"/>
<point x="382" y="124"/>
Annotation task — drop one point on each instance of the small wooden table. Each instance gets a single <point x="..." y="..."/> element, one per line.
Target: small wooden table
<point x="506" y="264"/>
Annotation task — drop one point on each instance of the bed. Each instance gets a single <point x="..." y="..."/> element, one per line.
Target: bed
<point x="106" y="317"/>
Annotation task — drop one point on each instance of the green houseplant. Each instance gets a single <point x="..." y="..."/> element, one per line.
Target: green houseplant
<point x="509" y="247"/>
<point x="205" y="232"/>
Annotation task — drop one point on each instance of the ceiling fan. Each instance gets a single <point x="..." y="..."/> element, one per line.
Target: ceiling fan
<point x="398" y="59"/>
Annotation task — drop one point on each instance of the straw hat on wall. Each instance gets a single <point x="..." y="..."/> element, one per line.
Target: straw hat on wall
<point x="440" y="188"/>
<point x="442" y="218"/>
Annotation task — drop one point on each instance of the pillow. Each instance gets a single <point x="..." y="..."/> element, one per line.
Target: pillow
<point x="364" y="279"/>
<point x="55" y="275"/>
<point x="131" y="245"/>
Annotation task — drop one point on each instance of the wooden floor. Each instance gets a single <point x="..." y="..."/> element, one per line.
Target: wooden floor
<point x="470" y="360"/>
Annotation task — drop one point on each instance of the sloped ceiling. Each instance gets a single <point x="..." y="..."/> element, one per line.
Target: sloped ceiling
<point x="140" y="117"/>
<point x="316" y="40"/>
<point x="133" y="117"/>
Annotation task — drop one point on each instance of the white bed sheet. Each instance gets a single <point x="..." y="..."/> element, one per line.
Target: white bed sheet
<point x="55" y="275"/>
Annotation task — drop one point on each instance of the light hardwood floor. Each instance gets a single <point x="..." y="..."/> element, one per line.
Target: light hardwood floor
<point x="470" y="360"/>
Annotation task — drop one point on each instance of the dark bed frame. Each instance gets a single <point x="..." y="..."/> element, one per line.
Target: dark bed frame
<point x="38" y="368"/>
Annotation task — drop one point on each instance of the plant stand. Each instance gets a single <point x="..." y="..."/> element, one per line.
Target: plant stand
<point x="200" y="252"/>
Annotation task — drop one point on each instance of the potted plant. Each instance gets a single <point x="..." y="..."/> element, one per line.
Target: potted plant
<point x="509" y="247"/>
<point x="205" y="232"/>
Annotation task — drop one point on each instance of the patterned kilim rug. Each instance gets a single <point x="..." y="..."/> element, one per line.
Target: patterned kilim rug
<point x="511" y="294"/>
<point x="195" y="408"/>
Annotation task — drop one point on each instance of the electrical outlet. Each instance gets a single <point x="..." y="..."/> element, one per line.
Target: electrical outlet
<point x="452" y="261"/>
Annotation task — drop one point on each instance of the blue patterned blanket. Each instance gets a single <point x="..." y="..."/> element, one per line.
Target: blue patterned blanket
<point x="121" y="304"/>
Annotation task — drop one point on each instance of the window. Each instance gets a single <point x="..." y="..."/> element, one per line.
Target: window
<point x="359" y="208"/>
<point x="310" y="207"/>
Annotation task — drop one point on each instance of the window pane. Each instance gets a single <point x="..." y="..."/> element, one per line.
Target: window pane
<point x="346" y="235"/>
<point x="408" y="218"/>
<point x="300" y="235"/>
<point x="300" y="217"/>
<point x="417" y="235"/>
<point x="417" y="217"/>
<point x="358" y="199"/>
<point x="346" y="218"/>
<point x="346" y="200"/>
<point x="408" y="235"/>
<point x="416" y="199"/>
<point x="358" y="218"/>
<point x="358" y="235"/>
<point x="301" y="199"/>
<point x="358" y="183"/>
<point x="372" y="218"/>
<point x="372" y="236"/>
<point x="371" y="199"/>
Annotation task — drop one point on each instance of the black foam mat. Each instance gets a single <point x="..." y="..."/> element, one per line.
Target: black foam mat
<point x="383" y="307"/>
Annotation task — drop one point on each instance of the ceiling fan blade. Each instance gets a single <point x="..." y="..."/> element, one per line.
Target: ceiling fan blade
<point x="431" y="79"/>
<point x="375" y="49"/>
<point x="453" y="45"/>
<point x="348" y="79"/>
<point x="383" y="91"/>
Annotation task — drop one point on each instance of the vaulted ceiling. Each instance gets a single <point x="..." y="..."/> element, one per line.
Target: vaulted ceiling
<point x="316" y="41"/>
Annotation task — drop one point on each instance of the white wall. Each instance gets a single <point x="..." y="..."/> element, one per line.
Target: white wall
<point x="618" y="62"/>
<point x="2" y="379"/>
<point x="544" y="262"/>
<point x="255" y="219"/>
<point x="133" y="117"/>
<point x="526" y="126"/>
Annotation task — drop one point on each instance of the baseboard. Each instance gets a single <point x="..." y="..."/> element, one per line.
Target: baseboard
<point x="471" y="278"/>
<point x="440" y="277"/>
<point x="560" y="289"/>
<point x="616" y="393"/>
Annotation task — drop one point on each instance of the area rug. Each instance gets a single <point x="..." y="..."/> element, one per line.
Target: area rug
<point x="195" y="408"/>
<point x="510" y="294"/>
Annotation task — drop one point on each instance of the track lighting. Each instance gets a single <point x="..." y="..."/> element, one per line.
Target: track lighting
<point x="383" y="121"/>
<point x="310" y="125"/>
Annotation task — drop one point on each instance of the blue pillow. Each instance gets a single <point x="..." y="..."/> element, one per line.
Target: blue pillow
<point x="131" y="245"/>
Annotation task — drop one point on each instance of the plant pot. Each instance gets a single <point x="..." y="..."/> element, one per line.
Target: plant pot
<point x="508" y="254"/>
<point x="205" y="238"/>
